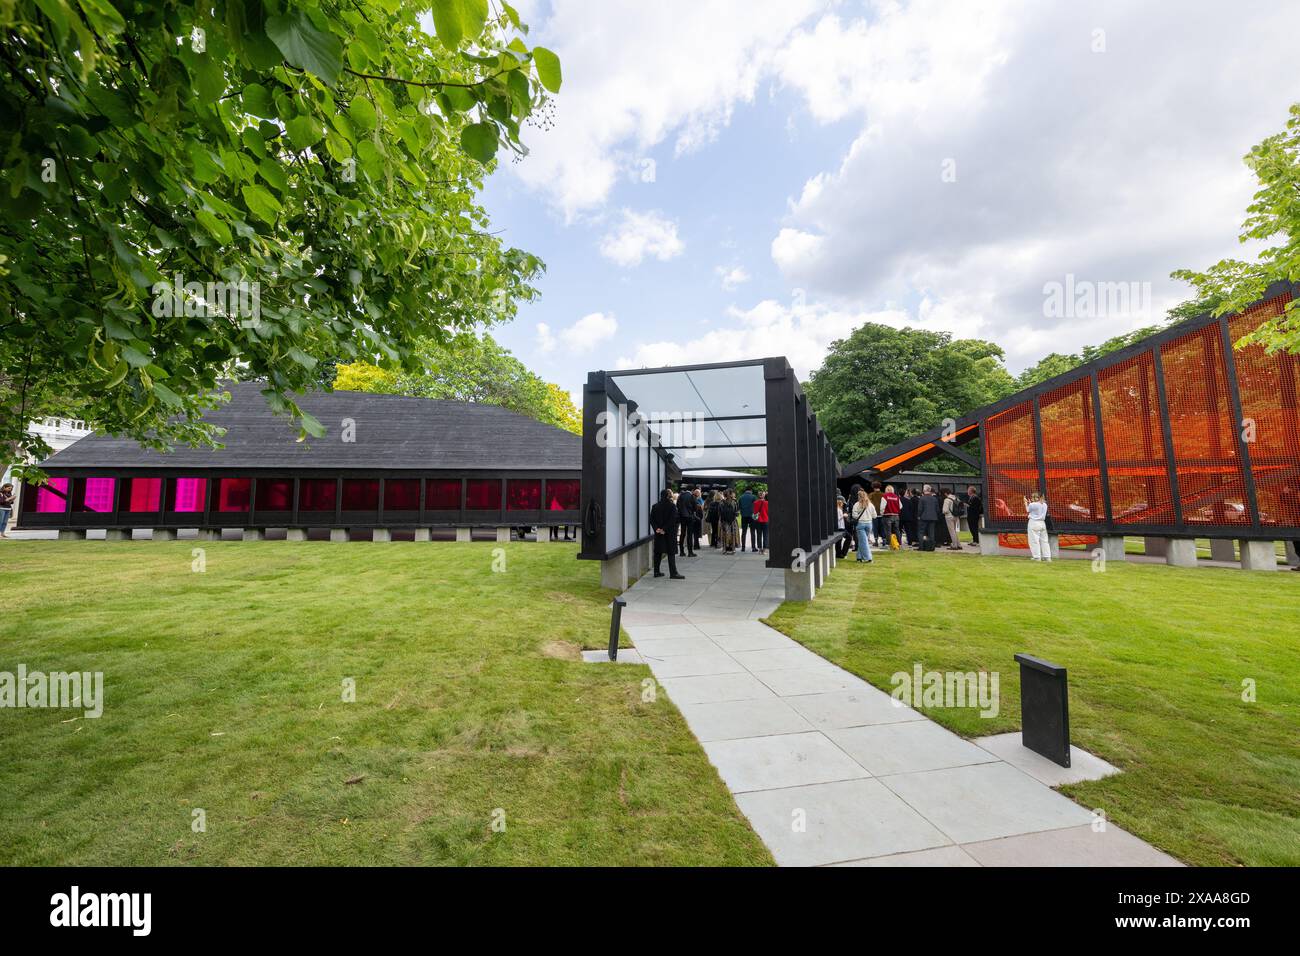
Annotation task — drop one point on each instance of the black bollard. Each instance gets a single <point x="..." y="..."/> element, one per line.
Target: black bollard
<point x="1044" y="709"/>
<point x="614" y="623"/>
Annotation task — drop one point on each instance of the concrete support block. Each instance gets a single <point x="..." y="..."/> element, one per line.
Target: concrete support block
<point x="1112" y="546"/>
<point x="209" y="534"/>
<point x="381" y="534"/>
<point x="464" y="534"/>
<point x="1258" y="556"/>
<point x="1222" y="549"/>
<point x="295" y="534"/>
<point x="1156" y="547"/>
<point x="254" y="534"/>
<point x="989" y="545"/>
<point x="340" y="534"/>
<point x="71" y="534"/>
<point x="644" y="557"/>
<point x="159" y="534"/>
<point x="503" y="535"/>
<point x="117" y="534"/>
<point x="423" y="534"/>
<point x="613" y="572"/>
<point x="833" y="556"/>
<point x="543" y="534"/>
<point x="1292" y="554"/>
<point x="1054" y="546"/>
<point x="1180" y="552"/>
<point x="818" y="572"/>
<point x="799" y="585"/>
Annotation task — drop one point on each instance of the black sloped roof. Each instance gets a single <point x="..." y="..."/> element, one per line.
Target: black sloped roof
<point x="391" y="432"/>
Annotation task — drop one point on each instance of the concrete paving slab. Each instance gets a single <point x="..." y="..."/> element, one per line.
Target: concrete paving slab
<point x="764" y="640"/>
<point x="852" y="708"/>
<point x="735" y="719"/>
<point x="1072" y="846"/>
<point x="673" y="646"/>
<point x="907" y="747"/>
<point x="939" y="856"/>
<point x="789" y="760"/>
<point x="810" y="680"/>
<point x="779" y="658"/>
<point x="986" y="801"/>
<point x="840" y="821"/>
<point x="715" y="687"/>
<point x="696" y="665"/>
<point x="1083" y="765"/>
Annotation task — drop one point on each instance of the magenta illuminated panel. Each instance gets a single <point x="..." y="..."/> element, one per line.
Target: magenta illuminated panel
<point x="189" y="495"/>
<point x="51" y="498"/>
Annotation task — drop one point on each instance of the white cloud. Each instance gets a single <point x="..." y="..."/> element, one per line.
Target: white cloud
<point x="639" y="235"/>
<point x="733" y="277"/>
<point x="545" y="338"/>
<point x="589" y="331"/>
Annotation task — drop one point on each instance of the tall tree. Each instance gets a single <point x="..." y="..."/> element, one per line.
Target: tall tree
<point x="1274" y="216"/>
<point x="882" y="385"/>
<point x="189" y="190"/>
<point x="468" y="369"/>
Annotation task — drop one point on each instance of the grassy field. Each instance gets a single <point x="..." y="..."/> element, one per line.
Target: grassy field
<point x="224" y="693"/>
<point x="1156" y="658"/>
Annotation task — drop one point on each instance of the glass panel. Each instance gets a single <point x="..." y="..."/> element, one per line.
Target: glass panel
<point x="361" y="494"/>
<point x="142" y="495"/>
<point x="52" y="497"/>
<point x="562" y="494"/>
<point x="317" y="494"/>
<point x="233" y="493"/>
<point x="188" y="495"/>
<point x="402" y="494"/>
<point x="483" y="494"/>
<point x="442" y="494"/>
<point x="524" y="494"/>
<point x="274" y="494"/>
<point x="93" y="494"/>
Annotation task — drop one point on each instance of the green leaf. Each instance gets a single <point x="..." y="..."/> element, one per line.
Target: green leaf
<point x="362" y="112"/>
<point x="480" y="141"/>
<point x="304" y="131"/>
<point x="215" y="227"/>
<point x="548" y="68"/>
<point x="456" y="21"/>
<point x="261" y="203"/>
<point x="257" y="100"/>
<point x="306" y="46"/>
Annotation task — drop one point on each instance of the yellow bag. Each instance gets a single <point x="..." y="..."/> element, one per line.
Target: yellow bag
<point x="893" y="542"/>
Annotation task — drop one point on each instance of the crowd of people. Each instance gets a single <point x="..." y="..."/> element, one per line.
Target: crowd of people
<point x="684" y="520"/>
<point x="924" y="520"/>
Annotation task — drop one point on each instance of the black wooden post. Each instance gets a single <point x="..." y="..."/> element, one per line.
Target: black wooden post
<point x="1044" y="709"/>
<point x="615" y="621"/>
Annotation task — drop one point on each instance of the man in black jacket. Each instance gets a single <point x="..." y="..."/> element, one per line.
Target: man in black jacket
<point x="663" y="522"/>
<point x="927" y="514"/>
<point x="686" y="518"/>
<point x="974" y="511"/>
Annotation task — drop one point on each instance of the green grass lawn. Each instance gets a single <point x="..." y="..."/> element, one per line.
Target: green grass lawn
<point x="224" y="692"/>
<point x="1156" y="658"/>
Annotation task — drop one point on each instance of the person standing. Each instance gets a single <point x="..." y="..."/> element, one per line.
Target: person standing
<point x="747" y="520"/>
<point x="841" y="522"/>
<point x="909" y="518"/>
<point x="974" y="512"/>
<point x="952" y="520"/>
<point x="697" y="519"/>
<point x="663" y="522"/>
<point x="1040" y="545"/>
<point x="728" y="511"/>
<point x="891" y="512"/>
<point x="927" y="516"/>
<point x="760" y="521"/>
<point x="877" y="495"/>
<point x="686" y="523"/>
<point x="6" y="507"/>
<point x="714" y="517"/>
<point x="863" y="518"/>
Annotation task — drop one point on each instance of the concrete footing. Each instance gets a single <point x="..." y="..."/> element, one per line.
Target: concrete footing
<point x="423" y="534"/>
<point x="1222" y="549"/>
<point x="989" y="545"/>
<point x="1112" y="547"/>
<point x="381" y="534"/>
<point x="254" y="534"/>
<point x="799" y="585"/>
<point x="1258" y="556"/>
<point x="644" y="556"/>
<point x="340" y="534"/>
<point x="1054" y="546"/>
<point x="613" y="572"/>
<point x="1292" y="554"/>
<point x="1156" y="547"/>
<point x="543" y="535"/>
<point x="464" y="534"/>
<point x="295" y="534"/>
<point x="159" y="534"/>
<point x="209" y="534"/>
<point x="818" y="572"/>
<point x="117" y="534"/>
<point x="503" y="535"/>
<point x="1180" y="552"/>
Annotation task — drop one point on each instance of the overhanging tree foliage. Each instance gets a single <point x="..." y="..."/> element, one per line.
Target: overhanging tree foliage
<point x="252" y="187"/>
<point x="1058" y="364"/>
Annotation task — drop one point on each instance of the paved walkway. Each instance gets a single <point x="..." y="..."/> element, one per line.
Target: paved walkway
<point x="824" y="765"/>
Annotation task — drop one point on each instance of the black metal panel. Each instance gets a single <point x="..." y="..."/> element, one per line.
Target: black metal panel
<point x="1044" y="709"/>
<point x="784" y="488"/>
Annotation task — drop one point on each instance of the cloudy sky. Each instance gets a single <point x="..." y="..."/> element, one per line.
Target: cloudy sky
<point x="738" y="178"/>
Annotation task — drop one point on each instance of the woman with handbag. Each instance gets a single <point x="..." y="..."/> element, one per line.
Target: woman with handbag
<point x="863" y="514"/>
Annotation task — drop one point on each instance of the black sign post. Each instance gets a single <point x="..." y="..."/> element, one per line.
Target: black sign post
<point x="1044" y="709"/>
<point x="614" y="622"/>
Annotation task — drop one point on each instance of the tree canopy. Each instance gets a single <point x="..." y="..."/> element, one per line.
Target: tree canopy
<point x="1274" y="216"/>
<point x="882" y="385"/>
<point x="1058" y="364"/>
<point x="249" y="188"/>
<point x="468" y="369"/>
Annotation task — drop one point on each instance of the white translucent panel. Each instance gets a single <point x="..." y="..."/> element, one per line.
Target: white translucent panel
<point x="645" y="486"/>
<point x="615" y="425"/>
<point x="677" y="433"/>
<point x="735" y="390"/>
<point x="632" y="473"/>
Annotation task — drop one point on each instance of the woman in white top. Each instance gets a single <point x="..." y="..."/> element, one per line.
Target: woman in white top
<point x="1040" y="546"/>
<point x="864" y="512"/>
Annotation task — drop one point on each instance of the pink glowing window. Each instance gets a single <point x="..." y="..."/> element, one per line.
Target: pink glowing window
<point x="402" y="494"/>
<point x="189" y="495"/>
<point x="142" y="495"/>
<point x="524" y="494"/>
<point x="52" y="497"/>
<point x="483" y="494"/>
<point x="233" y="493"/>
<point x="317" y="494"/>
<point x="274" y="494"/>
<point x="361" y="494"/>
<point x="93" y="495"/>
<point x="442" y="494"/>
<point x="562" y="494"/>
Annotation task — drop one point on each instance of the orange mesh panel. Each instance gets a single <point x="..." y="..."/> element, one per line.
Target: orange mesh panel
<point x="1011" y="461"/>
<point x="1135" y="445"/>
<point x="1268" y="385"/>
<point x="1021" y="541"/>
<point x="1211" y="488"/>
<point x="1074" y="491"/>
